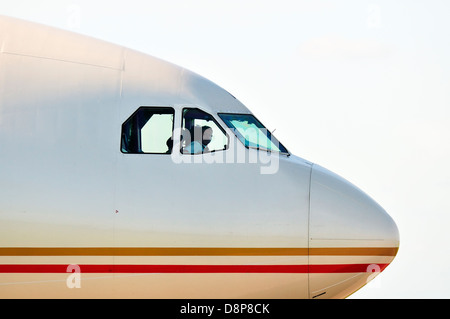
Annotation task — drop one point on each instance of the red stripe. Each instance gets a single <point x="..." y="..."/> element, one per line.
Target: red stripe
<point x="346" y="268"/>
<point x="339" y="268"/>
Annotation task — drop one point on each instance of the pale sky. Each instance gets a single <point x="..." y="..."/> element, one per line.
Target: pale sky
<point x="360" y="87"/>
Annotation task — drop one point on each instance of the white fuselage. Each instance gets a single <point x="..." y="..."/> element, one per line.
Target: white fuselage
<point x="79" y="217"/>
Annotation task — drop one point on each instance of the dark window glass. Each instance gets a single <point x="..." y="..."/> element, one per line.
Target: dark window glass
<point x="148" y="130"/>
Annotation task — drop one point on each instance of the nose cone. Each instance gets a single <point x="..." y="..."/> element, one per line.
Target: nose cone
<point x="349" y="232"/>
<point x="341" y="211"/>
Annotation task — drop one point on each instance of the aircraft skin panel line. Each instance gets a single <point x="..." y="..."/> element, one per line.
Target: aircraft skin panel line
<point x="126" y="176"/>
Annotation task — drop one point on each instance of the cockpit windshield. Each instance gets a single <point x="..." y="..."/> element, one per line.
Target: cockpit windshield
<point x="252" y="133"/>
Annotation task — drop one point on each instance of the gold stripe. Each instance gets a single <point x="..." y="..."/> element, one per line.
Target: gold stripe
<point x="195" y="251"/>
<point x="354" y="251"/>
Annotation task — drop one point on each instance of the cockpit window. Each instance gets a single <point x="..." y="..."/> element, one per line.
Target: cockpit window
<point x="201" y="133"/>
<point x="252" y="133"/>
<point x="148" y="130"/>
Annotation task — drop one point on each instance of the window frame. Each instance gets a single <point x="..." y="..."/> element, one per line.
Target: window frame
<point x="227" y="146"/>
<point x="269" y="134"/>
<point x="169" y="110"/>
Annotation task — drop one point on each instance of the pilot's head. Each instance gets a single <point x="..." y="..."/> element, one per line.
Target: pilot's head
<point x="206" y="135"/>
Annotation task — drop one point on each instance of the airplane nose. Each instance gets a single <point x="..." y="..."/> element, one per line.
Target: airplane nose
<point x="341" y="211"/>
<point x="351" y="236"/>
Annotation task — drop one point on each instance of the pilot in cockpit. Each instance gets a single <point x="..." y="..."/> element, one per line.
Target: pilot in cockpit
<point x="202" y="136"/>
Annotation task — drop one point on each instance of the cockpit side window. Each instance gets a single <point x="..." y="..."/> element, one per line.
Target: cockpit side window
<point x="252" y="133"/>
<point x="148" y="130"/>
<point x="201" y="133"/>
